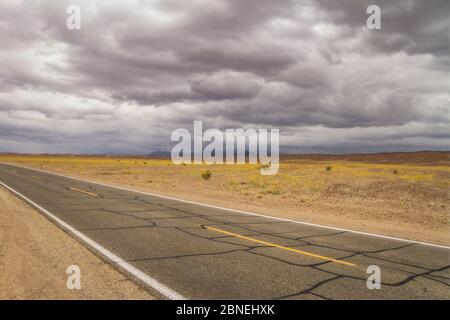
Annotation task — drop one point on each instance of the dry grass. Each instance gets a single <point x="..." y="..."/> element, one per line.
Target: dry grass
<point x="400" y="199"/>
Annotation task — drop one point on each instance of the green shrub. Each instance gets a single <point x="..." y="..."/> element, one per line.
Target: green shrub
<point x="207" y="174"/>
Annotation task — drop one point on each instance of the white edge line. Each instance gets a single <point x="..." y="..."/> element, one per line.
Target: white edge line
<point x="114" y="259"/>
<point x="235" y="210"/>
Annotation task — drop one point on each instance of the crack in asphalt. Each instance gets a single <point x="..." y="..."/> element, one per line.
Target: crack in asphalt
<point x="302" y="239"/>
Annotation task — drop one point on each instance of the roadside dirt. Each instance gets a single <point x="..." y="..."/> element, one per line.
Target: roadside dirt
<point x="34" y="256"/>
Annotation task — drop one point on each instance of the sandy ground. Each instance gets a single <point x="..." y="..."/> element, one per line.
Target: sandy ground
<point x="34" y="255"/>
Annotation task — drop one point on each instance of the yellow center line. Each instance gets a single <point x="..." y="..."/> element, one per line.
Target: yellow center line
<point x="281" y="247"/>
<point x="86" y="192"/>
<point x="34" y="177"/>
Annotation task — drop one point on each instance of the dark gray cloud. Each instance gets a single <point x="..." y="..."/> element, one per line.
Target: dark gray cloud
<point x="139" y="69"/>
<point x="412" y="26"/>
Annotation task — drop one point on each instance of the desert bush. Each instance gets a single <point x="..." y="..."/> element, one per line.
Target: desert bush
<point x="206" y="175"/>
<point x="329" y="168"/>
<point x="395" y="171"/>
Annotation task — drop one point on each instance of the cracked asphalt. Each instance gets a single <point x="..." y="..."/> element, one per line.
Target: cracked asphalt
<point x="248" y="258"/>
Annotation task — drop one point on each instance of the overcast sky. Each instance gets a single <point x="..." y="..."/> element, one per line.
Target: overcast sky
<point x="139" y="69"/>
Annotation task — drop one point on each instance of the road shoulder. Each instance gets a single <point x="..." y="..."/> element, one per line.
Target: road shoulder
<point x="35" y="254"/>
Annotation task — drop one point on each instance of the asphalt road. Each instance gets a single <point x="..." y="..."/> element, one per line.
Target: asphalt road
<point x="201" y="252"/>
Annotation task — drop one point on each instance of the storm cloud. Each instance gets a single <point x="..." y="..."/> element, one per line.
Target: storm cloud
<point x="136" y="70"/>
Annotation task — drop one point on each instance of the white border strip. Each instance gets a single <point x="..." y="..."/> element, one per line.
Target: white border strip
<point x="237" y="211"/>
<point x="114" y="259"/>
